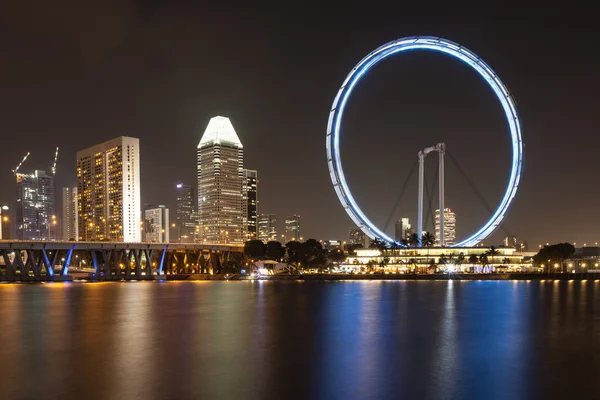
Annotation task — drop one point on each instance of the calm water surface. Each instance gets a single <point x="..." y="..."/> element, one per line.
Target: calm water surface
<point x="294" y="340"/>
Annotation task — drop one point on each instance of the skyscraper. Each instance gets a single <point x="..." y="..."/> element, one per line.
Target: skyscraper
<point x="250" y="182"/>
<point x="108" y="191"/>
<point x="220" y="169"/>
<point x="449" y="227"/>
<point x="267" y="229"/>
<point x="35" y="206"/>
<point x="403" y="229"/>
<point x="358" y="237"/>
<point x="292" y="228"/>
<point x="70" y="228"/>
<point x="510" y="241"/>
<point x="156" y="224"/>
<point x="186" y="220"/>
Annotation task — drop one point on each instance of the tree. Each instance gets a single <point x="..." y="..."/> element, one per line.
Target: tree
<point x="427" y="240"/>
<point x="351" y="248"/>
<point x="336" y="255"/>
<point x="316" y="256"/>
<point x="413" y="240"/>
<point x="275" y="251"/>
<point x="296" y="253"/>
<point x="254" y="249"/>
<point x="506" y="260"/>
<point x="492" y="253"/>
<point x="483" y="260"/>
<point x="473" y="260"/>
<point x="554" y="254"/>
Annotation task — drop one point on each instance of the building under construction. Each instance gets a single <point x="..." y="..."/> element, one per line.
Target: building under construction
<point x="35" y="210"/>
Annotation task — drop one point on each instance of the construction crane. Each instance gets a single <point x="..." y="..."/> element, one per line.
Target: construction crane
<point x="54" y="165"/>
<point x="21" y="163"/>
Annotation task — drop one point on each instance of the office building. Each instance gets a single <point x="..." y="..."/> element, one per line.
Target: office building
<point x="449" y="227"/>
<point x="403" y="229"/>
<point x="156" y="224"/>
<point x="221" y="205"/>
<point x="292" y="228"/>
<point x="186" y="219"/>
<point x="267" y="229"/>
<point x="69" y="225"/>
<point x="108" y="191"/>
<point x="511" y="241"/>
<point x="358" y="238"/>
<point x="35" y="206"/>
<point x="250" y="181"/>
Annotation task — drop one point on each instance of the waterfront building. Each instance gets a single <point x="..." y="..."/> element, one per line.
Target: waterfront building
<point x="292" y="228"/>
<point x="250" y="192"/>
<point x="449" y="227"/>
<point x="156" y="224"/>
<point x="186" y="218"/>
<point x="403" y="229"/>
<point x="69" y="224"/>
<point x="35" y="206"/>
<point x="220" y="173"/>
<point x="451" y="259"/>
<point x="267" y="229"/>
<point x="108" y="191"/>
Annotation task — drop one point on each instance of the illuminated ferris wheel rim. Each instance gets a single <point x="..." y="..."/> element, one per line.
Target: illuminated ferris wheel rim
<point x="339" y="103"/>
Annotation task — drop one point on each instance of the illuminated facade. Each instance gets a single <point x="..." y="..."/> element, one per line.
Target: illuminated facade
<point x="156" y="225"/>
<point x="250" y="181"/>
<point x="403" y="229"/>
<point x="267" y="229"/>
<point x="292" y="228"/>
<point x="4" y="223"/>
<point x="108" y="191"/>
<point x="449" y="227"/>
<point x="70" y="228"/>
<point x="358" y="237"/>
<point x="459" y="52"/>
<point x="186" y="220"/>
<point x="35" y="206"/>
<point x="221" y="205"/>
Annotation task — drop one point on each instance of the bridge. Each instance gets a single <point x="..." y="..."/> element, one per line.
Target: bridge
<point x="50" y="261"/>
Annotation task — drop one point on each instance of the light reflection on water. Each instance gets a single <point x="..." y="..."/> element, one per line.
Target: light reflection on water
<point x="375" y="339"/>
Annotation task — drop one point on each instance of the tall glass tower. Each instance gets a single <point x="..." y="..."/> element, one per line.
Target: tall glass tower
<point x="35" y="206"/>
<point x="221" y="205"/>
<point x="186" y="216"/>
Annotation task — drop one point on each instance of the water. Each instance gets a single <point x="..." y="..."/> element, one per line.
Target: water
<point x="300" y="340"/>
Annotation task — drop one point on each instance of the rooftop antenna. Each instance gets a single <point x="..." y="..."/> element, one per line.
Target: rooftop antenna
<point x="21" y="163"/>
<point x="54" y="165"/>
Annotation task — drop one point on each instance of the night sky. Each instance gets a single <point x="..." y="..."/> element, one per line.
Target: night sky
<point x="75" y="75"/>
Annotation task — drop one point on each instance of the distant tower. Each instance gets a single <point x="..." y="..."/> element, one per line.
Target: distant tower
<point x="220" y="173"/>
<point x="186" y="221"/>
<point x="156" y="226"/>
<point x="292" y="228"/>
<point x="108" y="191"/>
<point x="267" y="229"/>
<point x="511" y="241"/>
<point x="403" y="229"/>
<point x="69" y="214"/>
<point x="250" y="182"/>
<point x="35" y="206"/>
<point x="449" y="227"/>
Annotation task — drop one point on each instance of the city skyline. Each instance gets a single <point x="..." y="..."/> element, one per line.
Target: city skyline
<point x="255" y="93"/>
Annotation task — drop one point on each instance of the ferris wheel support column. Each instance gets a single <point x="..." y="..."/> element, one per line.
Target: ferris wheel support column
<point x="421" y="156"/>
<point x="441" y="148"/>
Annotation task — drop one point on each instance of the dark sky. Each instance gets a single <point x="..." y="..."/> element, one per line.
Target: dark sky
<point x="75" y="74"/>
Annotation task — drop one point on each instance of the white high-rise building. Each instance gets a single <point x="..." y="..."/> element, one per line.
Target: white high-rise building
<point x="449" y="227"/>
<point x="156" y="225"/>
<point x="108" y="191"/>
<point x="221" y="205"/>
<point x="292" y="228"/>
<point x="70" y="228"/>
